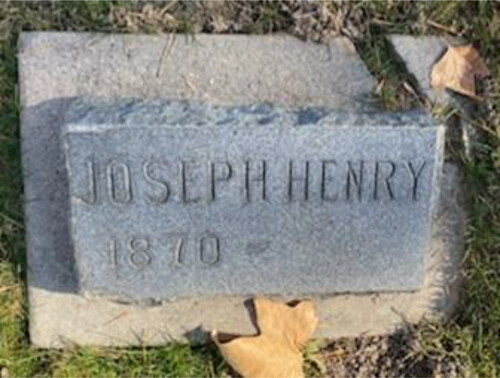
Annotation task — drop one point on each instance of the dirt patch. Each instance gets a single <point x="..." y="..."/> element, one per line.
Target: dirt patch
<point x="397" y="355"/>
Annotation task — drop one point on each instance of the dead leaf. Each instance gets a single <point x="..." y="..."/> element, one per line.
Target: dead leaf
<point x="458" y="70"/>
<point x="277" y="350"/>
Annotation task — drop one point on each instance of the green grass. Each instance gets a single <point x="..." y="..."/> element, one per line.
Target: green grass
<point x="472" y="337"/>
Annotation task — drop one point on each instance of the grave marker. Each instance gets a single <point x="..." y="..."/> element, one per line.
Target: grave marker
<point x="182" y="199"/>
<point x="374" y="163"/>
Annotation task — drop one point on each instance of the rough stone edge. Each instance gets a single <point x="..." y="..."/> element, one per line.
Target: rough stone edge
<point x="420" y="66"/>
<point x="419" y="55"/>
<point x="343" y="315"/>
<point x="100" y="112"/>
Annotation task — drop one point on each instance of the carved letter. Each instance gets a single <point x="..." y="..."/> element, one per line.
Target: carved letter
<point x="292" y="179"/>
<point x="356" y="179"/>
<point x="162" y="186"/>
<point x="387" y="178"/>
<point x="214" y="177"/>
<point x="415" y="177"/>
<point x="119" y="183"/>
<point x="91" y="191"/>
<point x="326" y="178"/>
<point x="184" y="179"/>
<point x="260" y="178"/>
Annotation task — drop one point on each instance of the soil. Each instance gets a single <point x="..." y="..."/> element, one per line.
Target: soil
<point x="396" y="355"/>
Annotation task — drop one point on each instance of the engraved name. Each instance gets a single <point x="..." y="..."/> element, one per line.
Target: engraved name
<point x="158" y="182"/>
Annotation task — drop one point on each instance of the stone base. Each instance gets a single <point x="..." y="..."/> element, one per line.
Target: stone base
<point x="228" y="70"/>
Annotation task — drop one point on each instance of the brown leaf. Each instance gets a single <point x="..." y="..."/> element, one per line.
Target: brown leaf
<point x="276" y="350"/>
<point x="458" y="70"/>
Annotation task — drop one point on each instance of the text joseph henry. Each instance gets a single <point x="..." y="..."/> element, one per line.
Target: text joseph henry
<point x="157" y="182"/>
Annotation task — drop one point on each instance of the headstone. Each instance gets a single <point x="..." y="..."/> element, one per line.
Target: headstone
<point x="182" y="199"/>
<point x="146" y="224"/>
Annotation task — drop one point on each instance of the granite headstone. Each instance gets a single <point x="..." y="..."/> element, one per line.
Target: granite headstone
<point x="184" y="199"/>
<point x="103" y="173"/>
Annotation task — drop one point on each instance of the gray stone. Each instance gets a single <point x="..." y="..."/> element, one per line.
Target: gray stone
<point x="222" y="69"/>
<point x="179" y="199"/>
<point x="419" y="55"/>
<point x="54" y="68"/>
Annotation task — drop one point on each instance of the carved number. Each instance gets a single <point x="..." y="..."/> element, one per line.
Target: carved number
<point x="207" y="249"/>
<point x="137" y="251"/>
<point x="179" y="250"/>
<point x="138" y="254"/>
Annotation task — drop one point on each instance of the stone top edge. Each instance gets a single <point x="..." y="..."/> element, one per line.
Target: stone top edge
<point x="27" y="35"/>
<point x="30" y="39"/>
<point x="30" y="34"/>
<point x="27" y="39"/>
<point x="411" y="37"/>
<point x="93" y="115"/>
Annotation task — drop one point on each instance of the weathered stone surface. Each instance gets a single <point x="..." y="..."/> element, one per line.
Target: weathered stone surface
<point x="222" y="69"/>
<point x="179" y="199"/>
<point x="419" y="55"/>
<point x="56" y="67"/>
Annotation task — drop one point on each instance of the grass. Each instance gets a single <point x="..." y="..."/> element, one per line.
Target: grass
<point x="472" y="337"/>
